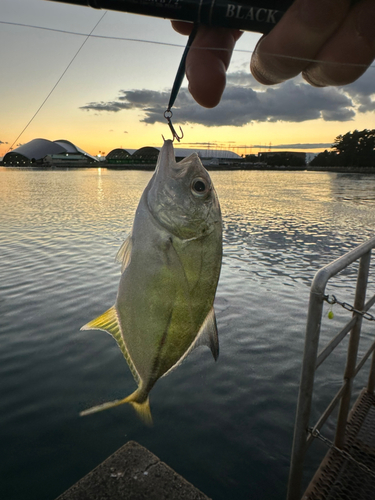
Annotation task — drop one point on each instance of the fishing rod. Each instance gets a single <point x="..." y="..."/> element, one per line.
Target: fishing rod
<point x="248" y="15"/>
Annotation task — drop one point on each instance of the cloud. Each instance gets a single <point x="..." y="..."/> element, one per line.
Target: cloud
<point x="338" y="115"/>
<point x="130" y="99"/>
<point x="364" y="86"/>
<point x="245" y="101"/>
<point x="1" y="142"/>
<point x="113" y="106"/>
<point x="245" y="79"/>
<point x="362" y="92"/>
<point x="299" y="145"/>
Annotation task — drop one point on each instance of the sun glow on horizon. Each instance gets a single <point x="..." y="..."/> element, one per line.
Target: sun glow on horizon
<point x="95" y="105"/>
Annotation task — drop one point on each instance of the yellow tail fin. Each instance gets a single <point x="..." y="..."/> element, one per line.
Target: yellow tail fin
<point x="142" y="409"/>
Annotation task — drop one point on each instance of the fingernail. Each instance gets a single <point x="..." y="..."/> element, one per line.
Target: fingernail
<point x="366" y="23"/>
<point x="261" y="74"/>
<point x="313" y="79"/>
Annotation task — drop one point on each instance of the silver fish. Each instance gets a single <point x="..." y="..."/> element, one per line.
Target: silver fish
<point x="170" y="269"/>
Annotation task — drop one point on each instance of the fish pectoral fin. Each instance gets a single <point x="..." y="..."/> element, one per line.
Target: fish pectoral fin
<point x="124" y="254"/>
<point x="142" y="408"/>
<point x="109" y="322"/>
<point x="207" y="334"/>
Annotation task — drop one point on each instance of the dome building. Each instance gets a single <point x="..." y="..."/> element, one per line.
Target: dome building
<point x="146" y="154"/>
<point x="118" y="156"/>
<point x="45" y="152"/>
<point x="144" y="158"/>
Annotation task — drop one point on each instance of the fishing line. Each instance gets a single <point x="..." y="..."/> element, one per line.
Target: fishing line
<point x="178" y="45"/>
<point x="178" y="80"/>
<point x="177" y="85"/>
<point x="106" y="37"/>
<point x="58" y="81"/>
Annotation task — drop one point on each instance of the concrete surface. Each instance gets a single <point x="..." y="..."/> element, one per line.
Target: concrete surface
<point x="132" y="473"/>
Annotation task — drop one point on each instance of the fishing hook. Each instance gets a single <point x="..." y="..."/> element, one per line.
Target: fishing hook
<point x="168" y="116"/>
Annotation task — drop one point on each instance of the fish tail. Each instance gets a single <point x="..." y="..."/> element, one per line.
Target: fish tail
<point x="143" y="411"/>
<point x="142" y="408"/>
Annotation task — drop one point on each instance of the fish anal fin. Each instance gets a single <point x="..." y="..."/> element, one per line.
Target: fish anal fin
<point x="142" y="407"/>
<point x="110" y="323"/>
<point x="124" y="254"/>
<point x="207" y="335"/>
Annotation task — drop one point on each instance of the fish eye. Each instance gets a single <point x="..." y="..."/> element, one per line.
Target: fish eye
<point x="199" y="186"/>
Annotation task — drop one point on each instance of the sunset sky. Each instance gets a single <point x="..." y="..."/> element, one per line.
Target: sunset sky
<point x="114" y="92"/>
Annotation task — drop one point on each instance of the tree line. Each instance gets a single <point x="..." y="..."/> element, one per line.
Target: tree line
<point x="353" y="149"/>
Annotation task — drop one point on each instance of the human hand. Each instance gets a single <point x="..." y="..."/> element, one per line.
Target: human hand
<point x="331" y="42"/>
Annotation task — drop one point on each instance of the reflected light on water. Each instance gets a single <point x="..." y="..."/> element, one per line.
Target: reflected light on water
<point x="225" y="426"/>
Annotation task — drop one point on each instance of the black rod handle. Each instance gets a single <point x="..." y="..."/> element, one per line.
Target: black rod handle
<point x="248" y="15"/>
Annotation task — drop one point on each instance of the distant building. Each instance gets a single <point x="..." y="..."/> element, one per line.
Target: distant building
<point x="143" y="156"/>
<point x="221" y="154"/>
<point x="147" y="156"/>
<point x="45" y="152"/>
<point x="287" y="158"/>
<point x="252" y="158"/>
<point x="61" y="153"/>
<point x="210" y="162"/>
<point x="286" y="154"/>
<point x="118" y="156"/>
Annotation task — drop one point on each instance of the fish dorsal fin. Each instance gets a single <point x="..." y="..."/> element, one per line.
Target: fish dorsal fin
<point x="188" y="159"/>
<point x="207" y="335"/>
<point x="109" y="323"/>
<point x="124" y="254"/>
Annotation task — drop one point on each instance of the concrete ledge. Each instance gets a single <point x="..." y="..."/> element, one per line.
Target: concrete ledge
<point x="132" y="473"/>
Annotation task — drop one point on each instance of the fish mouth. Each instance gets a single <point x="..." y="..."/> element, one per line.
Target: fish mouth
<point x="166" y="158"/>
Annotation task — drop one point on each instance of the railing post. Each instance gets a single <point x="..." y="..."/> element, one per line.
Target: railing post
<point x="371" y="378"/>
<point x="359" y="302"/>
<point x="300" y="440"/>
<point x="305" y="395"/>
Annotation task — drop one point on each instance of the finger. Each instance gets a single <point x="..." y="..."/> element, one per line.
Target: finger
<point x="346" y="56"/>
<point x="182" y="27"/>
<point x="207" y="62"/>
<point x="298" y="36"/>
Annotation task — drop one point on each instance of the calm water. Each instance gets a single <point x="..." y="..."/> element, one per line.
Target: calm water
<point x="226" y="426"/>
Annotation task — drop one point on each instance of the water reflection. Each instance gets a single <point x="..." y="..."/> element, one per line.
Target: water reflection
<point x="291" y="223"/>
<point x="357" y="189"/>
<point x="225" y="426"/>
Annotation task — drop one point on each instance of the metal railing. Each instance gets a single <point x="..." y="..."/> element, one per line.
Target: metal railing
<point x="312" y="360"/>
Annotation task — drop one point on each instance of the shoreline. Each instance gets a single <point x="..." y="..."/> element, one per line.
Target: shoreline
<point x="220" y="167"/>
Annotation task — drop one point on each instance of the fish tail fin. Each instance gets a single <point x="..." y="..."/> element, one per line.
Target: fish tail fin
<point x="142" y="408"/>
<point x="143" y="411"/>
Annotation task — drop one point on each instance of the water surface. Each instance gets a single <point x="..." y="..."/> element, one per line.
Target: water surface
<point x="225" y="426"/>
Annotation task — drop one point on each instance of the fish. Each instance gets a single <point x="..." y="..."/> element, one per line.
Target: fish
<point x="171" y="265"/>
